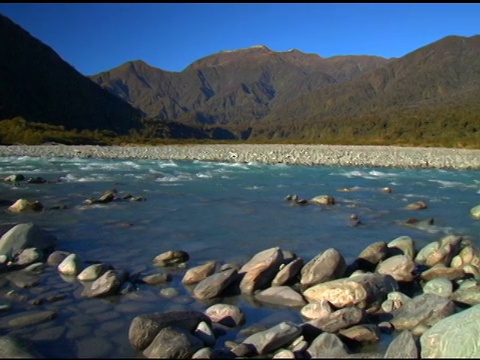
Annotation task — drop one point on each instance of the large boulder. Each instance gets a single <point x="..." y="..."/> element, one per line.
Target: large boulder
<point x="173" y="343"/>
<point x="24" y="236"/>
<point x="144" y="328"/>
<point x="400" y="267"/>
<point x="260" y="270"/>
<point x="326" y="266"/>
<point x="198" y="273"/>
<point x="272" y="339"/>
<point x="453" y="337"/>
<point x="365" y="291"/>
<point x="425" y="309"/>
<point x="213" y="285"/>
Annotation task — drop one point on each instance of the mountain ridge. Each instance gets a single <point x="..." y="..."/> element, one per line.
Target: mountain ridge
<point x="254" y="94"/>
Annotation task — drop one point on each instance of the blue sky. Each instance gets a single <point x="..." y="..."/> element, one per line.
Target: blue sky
<point x="98" y="37"/>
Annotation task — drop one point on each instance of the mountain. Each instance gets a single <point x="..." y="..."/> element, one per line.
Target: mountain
<point x="37" y="85"/>
<point x="231" y="87"/>
<point x="430" y="82"/>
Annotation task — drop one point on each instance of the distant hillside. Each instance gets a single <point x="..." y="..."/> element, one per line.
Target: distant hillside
<point x="37" y="85"/>
<point x="231" y="87"/>
<point x="427" y="91"/>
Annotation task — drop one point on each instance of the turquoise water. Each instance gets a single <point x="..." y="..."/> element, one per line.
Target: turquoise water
<point x="214" y="211"/>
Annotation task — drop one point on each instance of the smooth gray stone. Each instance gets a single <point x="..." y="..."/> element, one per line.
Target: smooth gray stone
<point x="453" y="337"/>
<point x="173" y="343"/>
<point x="13" y="347"/>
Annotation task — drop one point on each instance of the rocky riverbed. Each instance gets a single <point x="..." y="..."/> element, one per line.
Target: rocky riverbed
<point x="428" y="297"/>
<point x="342" y="155"/>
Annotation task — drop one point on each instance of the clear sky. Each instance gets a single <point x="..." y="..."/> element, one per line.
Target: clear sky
<point x="98" y="37"/>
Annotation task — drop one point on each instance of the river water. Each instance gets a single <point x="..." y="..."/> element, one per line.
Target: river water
<point x="214" y="211"/>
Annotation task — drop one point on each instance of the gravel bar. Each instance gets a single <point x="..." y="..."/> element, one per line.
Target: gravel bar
<point x="341" y="155"/>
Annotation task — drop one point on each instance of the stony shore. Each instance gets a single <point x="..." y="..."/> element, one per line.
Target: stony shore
<point x="342" y="155"/>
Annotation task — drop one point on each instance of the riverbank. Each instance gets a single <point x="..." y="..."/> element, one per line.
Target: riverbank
<point x="289" y="154"/>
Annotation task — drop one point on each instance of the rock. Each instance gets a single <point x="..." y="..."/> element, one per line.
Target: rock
<point x="403" y="346"/>
<point x="260" y="270"/>
<point x="337" y="320"/>
<point x="288" y="273"/>
<point x="56" y="257"/>
<point x="367" y="290"/>
<point x="107" y="284"/>
<point x="365" y="333"/>
<point x="284" y="354"/>
<point x="438" y="286"/>
<point x="28" y="256"/>
<point x="14" y="347"/>
<point x="274" y="338"/>
<point x="316" y="310"/>
<point x="453" y="337"/>
<point x="326" y="266"/>
<point x="418" y="205"/>
<point x="404" y="244"/>
<point x="170" y="258"/>
<point x="92" y="272"/>
<point x="107" y="197"/>
<point x="27" y="318"/>
<point x="323" y="200"/>
<point x="439" y="252"/>
<point x="327" y="345"/>
<point x="24" y="279"/>
<point x="14" y="178"/>
<point x="173" y="343"/>
<point x="215" y="284"/>
<point x="204" y="353"/>
<point x="155" y="279"/>
<point x="23" y="205"/>
<point x="374" y="253"/>
<point x="424" y="225"/>
<point x="24" y="236"/>
<point x="196" y="274"/>
<point x="144" y="328"/>
<point x="36" y="180"/>
<point x="280" y="295"/>
<point x="169" y="292"/>
<point x="395" y="300"/>
<point x="70" y="265"/>
<point x="475" y="212"/>
<point x="468" y="255"/>
<point x="205" y="333"/>
<point x="226" y="314"/>
<point x="400" y="267"/>
<point x="441" y="271"/>
<point x="425" y="309"/>
<point x="468" y="295"/>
